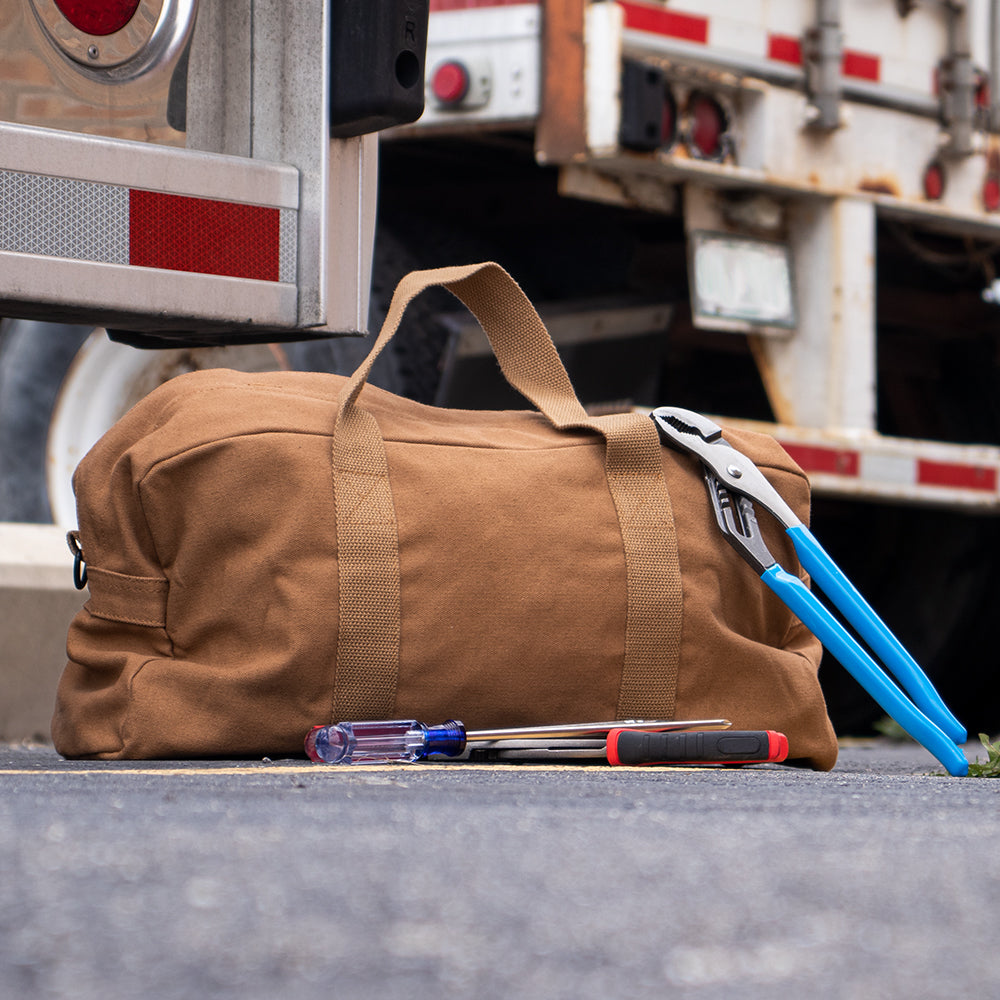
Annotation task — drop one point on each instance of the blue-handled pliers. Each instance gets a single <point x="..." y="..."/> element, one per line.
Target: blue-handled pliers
<point x="735" y="484"/>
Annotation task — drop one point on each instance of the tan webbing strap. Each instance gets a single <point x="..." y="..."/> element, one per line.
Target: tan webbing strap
<point x="634" y="467"/>
<point x="368" y="571"/>
<point x="368" y="641"/>
<point x="633" y="463"/>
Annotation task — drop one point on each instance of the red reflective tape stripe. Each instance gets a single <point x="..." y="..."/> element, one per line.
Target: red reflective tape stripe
<point x="818" y="458"/>
<point x="967" y="477"/>
<point x="666" y="22"/>
<point x="843" y="462"/>
<point x="784" y="48"/>
<point x="180" y="233"/>
<point x="470" y="4"/>
<point x="861" y="65"/>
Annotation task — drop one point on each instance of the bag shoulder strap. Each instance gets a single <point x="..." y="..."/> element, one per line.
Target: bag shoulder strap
<point x="367" y="551"/>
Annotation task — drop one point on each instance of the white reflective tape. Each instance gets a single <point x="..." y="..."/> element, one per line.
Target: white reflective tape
<point x="59" y="217"/>
<point x="887" y="468"/>
<point x="288" y="246"/>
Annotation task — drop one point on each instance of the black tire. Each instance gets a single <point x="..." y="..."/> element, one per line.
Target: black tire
<point x="36" y="356"/>
<point x="411" y="365"/>
<point x="34" y="359"/>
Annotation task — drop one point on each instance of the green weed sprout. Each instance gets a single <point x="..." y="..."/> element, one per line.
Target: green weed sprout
<point x="990" y="768"/>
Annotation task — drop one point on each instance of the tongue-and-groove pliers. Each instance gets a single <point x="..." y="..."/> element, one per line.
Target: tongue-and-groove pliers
<point x="735" y="485"/>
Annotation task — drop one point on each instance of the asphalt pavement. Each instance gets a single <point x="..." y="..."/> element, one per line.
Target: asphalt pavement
<point x="285" y="879"/>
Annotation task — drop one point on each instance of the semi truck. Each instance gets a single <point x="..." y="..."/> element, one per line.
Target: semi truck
<point x="783" y="213"/>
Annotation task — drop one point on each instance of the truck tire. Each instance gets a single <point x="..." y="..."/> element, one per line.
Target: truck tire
<point x="411" y="365"/>
<point x="62" y="386"/>
<point x="34" y="358"/>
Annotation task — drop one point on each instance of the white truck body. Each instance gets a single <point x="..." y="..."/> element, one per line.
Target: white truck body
<point x="835" y="113"/>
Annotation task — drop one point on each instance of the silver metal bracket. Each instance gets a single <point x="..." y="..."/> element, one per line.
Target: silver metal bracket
<point x="957" y="82"/>
<point x="822" y="52"/>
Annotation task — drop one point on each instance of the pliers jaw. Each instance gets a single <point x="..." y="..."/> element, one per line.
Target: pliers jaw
<point x="698" y="435"/>
<point x="680" y="425"/>
<point x="738" y="524"/>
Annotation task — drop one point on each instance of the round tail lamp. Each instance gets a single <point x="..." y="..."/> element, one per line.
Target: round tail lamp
<point x="707" y="126"/>
<point x="933" y="181"/>
<point x="450" y="83"/>
<point x="98" y="17"/>
<point x="117" y="39"/>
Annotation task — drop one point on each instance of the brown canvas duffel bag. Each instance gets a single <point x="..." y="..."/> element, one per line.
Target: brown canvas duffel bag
<point x="266" y="553"/>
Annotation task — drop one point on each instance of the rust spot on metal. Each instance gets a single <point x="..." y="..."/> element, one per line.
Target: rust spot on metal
<point x="561" y="133"/>
<point x="993" y="157"/>
<point x="880" y="185"/>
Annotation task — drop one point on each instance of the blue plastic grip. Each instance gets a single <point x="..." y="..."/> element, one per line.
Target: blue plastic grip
<point x="874" y="631"/>
<point x="863" y="669"/>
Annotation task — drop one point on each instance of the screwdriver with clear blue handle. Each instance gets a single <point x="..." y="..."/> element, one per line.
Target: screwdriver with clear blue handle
<point x="383" y="742"/>
<point x="406" y="740"/>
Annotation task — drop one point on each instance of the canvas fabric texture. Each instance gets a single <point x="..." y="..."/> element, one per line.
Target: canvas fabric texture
<point x="270" y="552"/>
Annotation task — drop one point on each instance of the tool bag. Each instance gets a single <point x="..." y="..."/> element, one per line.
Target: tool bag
<point x="269" y="552"/>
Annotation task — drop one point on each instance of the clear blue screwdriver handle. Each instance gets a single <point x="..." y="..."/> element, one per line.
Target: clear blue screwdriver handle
<point x="382" y="742"/>
<point x="874" y="631"/>
<point x="863" y="669"/>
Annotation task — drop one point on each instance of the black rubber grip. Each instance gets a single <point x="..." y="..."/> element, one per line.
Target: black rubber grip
<point x="627" y="746"/>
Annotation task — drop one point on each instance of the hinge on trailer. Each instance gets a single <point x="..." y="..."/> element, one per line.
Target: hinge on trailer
<point x="958" y="82"/>
<point x="822" y="53"/>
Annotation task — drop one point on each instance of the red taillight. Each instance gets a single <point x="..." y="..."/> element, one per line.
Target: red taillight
<point x="933" y="181"/>
<point x="450" y="82"/>
<point x="982" y="91"/>
<point x="707" y="126"/>
<point x="991" y="192"/>
<point x="98" y="17"/>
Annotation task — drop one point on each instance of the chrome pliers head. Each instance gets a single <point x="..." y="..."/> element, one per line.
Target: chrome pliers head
<point x="735" y="486"/>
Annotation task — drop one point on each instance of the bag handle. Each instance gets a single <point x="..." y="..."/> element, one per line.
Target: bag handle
<point x="522" y="346"/>
<point x="367" y="551"/>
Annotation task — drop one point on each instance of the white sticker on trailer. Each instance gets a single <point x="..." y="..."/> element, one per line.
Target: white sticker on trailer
<point x="742" y="279"/>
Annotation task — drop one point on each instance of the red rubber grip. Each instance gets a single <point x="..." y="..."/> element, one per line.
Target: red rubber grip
<point x="632" y="747"/>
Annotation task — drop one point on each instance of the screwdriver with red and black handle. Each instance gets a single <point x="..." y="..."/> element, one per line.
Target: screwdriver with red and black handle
<point x="629" y="747"/>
